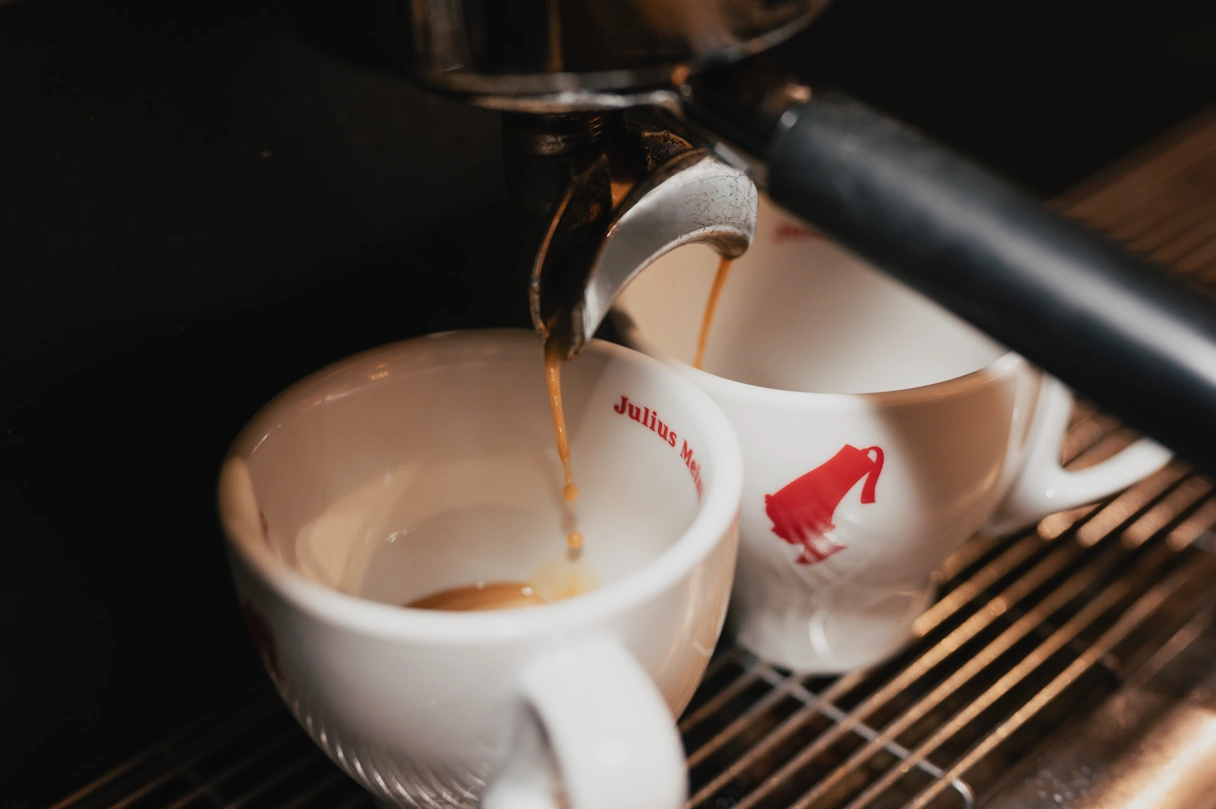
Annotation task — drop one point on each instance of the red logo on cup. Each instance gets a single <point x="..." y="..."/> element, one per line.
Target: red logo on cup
<point x="263" y="638"/>
<point x="802" y="510"/>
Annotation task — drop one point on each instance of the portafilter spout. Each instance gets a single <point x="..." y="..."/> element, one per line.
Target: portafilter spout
<point x="610" y="225"/>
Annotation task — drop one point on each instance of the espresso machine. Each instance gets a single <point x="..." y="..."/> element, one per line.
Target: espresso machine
<point x="615" y="112"/>
<point x="198" y="162"/>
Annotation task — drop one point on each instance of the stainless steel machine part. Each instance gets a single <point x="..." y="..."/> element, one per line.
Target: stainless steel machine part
<point x="1149" y="746"/>
<point x="551" y="55"/>
<point x="619" y="194"/>
<point x="690" y="199"/>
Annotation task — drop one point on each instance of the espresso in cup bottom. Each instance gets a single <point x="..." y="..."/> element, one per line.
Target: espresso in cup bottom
<point x="502" y="595"/>
<point x="558" y="580"/>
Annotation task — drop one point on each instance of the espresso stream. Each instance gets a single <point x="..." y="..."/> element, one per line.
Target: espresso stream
<point x="564" y="577"/>
<point x="553" y="376"/>
<point x="567" y="576"/>
<point x="710" y="307"/>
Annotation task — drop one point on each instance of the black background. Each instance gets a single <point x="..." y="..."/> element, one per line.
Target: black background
<point x="196" y="210"/>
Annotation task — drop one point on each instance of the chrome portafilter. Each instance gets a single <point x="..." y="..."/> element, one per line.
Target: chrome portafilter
<point x="642" y="193"/>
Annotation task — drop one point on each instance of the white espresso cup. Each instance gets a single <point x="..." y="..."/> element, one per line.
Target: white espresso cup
<point x="879" y="432"/>
<point x="432" y="464"/>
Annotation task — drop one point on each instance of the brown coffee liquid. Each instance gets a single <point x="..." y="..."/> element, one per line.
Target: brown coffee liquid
<point x="504" y="595"/>
<point x="714" y="292"/>
<point x="564" y="577"/>
<point x="553" y="375"/>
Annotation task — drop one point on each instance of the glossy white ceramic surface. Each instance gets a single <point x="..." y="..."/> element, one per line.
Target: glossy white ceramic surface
<point x="879" y="433"/>
<point x="432" y="463"/>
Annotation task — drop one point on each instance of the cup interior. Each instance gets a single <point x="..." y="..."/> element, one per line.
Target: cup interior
<point x="800" y="313"/>
<point x="432" y="464"/>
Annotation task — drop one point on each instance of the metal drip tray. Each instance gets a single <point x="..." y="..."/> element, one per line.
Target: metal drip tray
<point x="1072" y="666"/>
<point x="1148" y="746"/>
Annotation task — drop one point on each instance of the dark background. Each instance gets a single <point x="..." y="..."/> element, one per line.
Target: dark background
<point x="196" y="210"/>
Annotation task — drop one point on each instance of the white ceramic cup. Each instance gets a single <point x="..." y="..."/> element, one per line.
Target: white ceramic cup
<point x="432" y="463"/>
<point x="879" y="432"/>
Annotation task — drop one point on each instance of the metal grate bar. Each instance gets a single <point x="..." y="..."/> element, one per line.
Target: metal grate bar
<point x="1195" y="527"/>
<point x="1048" y="567"/>
<point x="1152" y="227"/>
<point x="255" y="757"/>
<point x="1013" y="557"/>
<point x="1191" y="493"/>
<point x="871" y="735"/>
<point x="1023" y="627"/>
<point x="732" y="690"/>
<point x="1201" y="263"/>
<point x="363" y="799"/>
<point x="1131" y="502"/>
<point x="1200" y="234"/>
<point x="334" y="778"/>
<point x="176" y="765"/>
<point x="312" y="757"/>
<point x="1143" y="176"/>
<point x="1143" y="607"/>
<point x="1090" y="613"/>
<point x="723" y="658"/>
<point x="1043" y="571"/>
<point x="1077" y="444"/>
<point x="775" y="737"/>
<point x="780" y="691"/>
<point x="161" y="751"/>
<point x="113" y="775"/>
<point x="1100" y="563"/>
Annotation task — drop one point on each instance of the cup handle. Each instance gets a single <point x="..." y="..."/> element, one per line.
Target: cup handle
<point x="1044" y="487"/>
<point x="593" y="726"/>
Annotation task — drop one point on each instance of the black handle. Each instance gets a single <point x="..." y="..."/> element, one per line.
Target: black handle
<point x="1117" y="329"/>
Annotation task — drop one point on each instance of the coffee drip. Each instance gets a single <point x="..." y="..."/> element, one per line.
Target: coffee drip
<point x="710" y="307"/>
<point x="561" y="578"/>
<point x="567" y="576"/>
<point x="553" y="378"/>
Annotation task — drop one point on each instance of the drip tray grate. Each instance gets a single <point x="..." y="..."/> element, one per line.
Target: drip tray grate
<point x="1030" y="635"/>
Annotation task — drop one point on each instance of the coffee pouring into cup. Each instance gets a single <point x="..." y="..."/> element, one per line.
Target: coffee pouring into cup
<point x="429" y="465"/>
<point x="1112" y="326"/>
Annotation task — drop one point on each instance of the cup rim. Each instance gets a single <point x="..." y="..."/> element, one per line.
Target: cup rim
<point x="721" y="386"/>
<point x="716" y="512"/>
